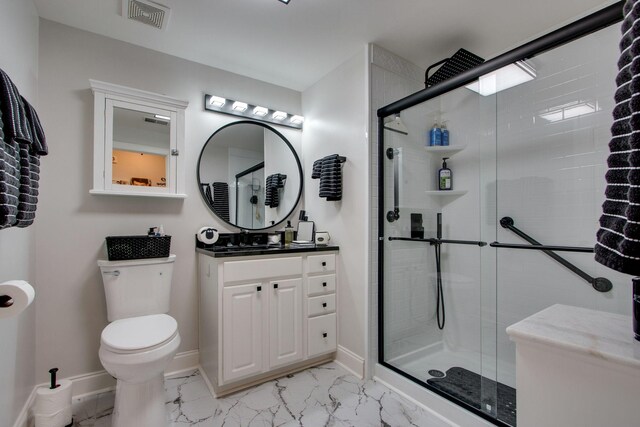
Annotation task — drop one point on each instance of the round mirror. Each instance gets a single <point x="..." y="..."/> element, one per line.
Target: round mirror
<point x="250" y="176"/>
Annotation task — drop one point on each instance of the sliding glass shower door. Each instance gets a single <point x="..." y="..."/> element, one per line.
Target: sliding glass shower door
<point x="528" y="166"/>
<point x="439" y="311"/>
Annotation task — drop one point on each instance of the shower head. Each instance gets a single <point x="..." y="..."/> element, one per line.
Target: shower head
<point x="461" y="61"/>
<point x="395" y="124"/>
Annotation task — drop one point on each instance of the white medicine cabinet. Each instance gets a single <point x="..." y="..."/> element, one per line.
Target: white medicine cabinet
<point x="138" y="142"/>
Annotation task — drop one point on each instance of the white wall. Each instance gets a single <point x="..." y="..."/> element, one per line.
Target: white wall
<point x="73" y="223"/>
<point x="19" y="59"/>
<point x="336" y="122"/>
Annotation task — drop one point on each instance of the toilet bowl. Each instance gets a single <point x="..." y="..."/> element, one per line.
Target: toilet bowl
<point x="141" y="340"/>
<point x="136" y="351"/>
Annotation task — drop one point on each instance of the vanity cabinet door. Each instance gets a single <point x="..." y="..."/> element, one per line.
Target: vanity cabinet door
<point x="285" y="322"/>
<point x="242" y="338"/>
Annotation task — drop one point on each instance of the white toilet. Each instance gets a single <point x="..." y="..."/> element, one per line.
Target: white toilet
<point x="141" y="339"/>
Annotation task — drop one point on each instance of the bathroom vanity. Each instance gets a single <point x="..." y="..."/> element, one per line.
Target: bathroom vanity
<point x="265" y="312"/>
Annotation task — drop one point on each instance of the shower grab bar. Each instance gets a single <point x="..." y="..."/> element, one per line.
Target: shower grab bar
<point x="434" y="241"/>
<point x="393" y="154"/>
<point x="600" y="284"/>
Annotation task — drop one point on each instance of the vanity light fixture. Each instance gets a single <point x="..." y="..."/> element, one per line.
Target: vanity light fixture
<point x="297" y="119"/>
<point x="279" y="115"/>
<point x="260" y="111"/>
<point x="240" y="106"/>
<point x="160" y="117"/>
<point x="217" y="101"/>
<point x="504" y="78"/>
<point x="232" y="107"/>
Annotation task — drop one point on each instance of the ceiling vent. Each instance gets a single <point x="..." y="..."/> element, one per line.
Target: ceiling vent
<point x="147" y="12"/>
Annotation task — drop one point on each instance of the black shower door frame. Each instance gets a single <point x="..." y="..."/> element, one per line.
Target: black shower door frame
<point x="589" y="24"/>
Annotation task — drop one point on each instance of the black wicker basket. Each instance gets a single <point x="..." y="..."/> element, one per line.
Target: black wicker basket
<point x="137" y="247"/>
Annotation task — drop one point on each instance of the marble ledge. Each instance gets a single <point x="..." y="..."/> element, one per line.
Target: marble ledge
<point x="607" y="336"/>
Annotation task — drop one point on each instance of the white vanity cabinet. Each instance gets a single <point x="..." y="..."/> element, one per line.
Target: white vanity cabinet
<point x="262" y="316"/>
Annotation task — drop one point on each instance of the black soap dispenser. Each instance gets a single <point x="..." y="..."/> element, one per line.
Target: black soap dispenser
<point x="445" y="177"/>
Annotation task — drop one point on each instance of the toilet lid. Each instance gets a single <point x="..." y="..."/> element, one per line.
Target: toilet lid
<point x="137" y="333"/>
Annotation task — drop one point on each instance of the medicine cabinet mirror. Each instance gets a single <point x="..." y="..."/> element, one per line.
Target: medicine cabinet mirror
<point x="138" y="142"/>
<point x="250" y="175"/>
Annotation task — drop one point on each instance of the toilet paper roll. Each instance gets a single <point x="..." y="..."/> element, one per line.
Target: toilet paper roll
<point x="15" y="296"/>
<point x="62" y="418"/>
<point x="208" y="235"/>
<point x="50" y="401"/>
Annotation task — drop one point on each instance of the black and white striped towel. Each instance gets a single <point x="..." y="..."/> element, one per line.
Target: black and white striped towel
<point x="221" y="199"/>
<point x="618" y="245"/>
<point x="329" y="170"/>
<point x="17" y="141"/>
<point x="273" y="184"/>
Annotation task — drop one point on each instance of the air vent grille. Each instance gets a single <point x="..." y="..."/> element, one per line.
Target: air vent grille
<point x="153" y="15"/>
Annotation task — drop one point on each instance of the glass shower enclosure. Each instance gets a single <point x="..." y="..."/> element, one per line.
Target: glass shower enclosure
<point x="513" y="235"/>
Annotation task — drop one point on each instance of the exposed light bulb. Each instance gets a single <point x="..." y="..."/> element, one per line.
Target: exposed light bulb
<point x="296" y="120"/>
<point x="260" y="111"/>
<point x="239" y="106"/>
<point x="217" y="101"/>
<point x="279" y="115"/>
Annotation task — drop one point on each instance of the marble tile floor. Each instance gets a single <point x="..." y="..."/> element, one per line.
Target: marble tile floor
<point x="326" y="395"/>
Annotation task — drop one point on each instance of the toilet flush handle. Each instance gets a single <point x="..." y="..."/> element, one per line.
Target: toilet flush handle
<point x="113" y="273"/>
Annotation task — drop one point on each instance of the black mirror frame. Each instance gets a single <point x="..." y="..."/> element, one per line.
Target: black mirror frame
<point x="293" y="151"/>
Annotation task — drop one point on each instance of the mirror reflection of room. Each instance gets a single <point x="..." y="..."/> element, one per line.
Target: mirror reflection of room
<point x="140" y="152"/>
<point x="249" y="175"/>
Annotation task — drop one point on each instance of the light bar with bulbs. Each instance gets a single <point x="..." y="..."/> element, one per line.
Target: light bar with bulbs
<point x="218" y="104"/>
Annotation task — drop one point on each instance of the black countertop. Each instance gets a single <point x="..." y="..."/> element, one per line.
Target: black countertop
<point x="223" y="252"/>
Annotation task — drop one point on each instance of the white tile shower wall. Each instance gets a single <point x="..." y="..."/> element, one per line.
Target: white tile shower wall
<point x="551" y="180"/>
<point x="19" y="59"/>
<point x="72" y="223"/>
<point x="410" y="303"/>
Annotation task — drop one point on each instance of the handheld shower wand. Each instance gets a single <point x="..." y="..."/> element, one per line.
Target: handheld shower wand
<point x="439" y="291"/>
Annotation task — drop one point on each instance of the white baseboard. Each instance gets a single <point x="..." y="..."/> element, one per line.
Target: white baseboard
<point x="350" y="361"/>
<point x="100" y="381"/>
<point x="23" y="416"/>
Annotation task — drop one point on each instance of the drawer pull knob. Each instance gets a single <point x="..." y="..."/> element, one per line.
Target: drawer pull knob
<point x="324" y="284"/>
<point x="259" y="288"/>
<point x="324" y="335"/>
<point x="324" y="304"/>
<point x="324" y="263"/>
<point x="275" y="286"/>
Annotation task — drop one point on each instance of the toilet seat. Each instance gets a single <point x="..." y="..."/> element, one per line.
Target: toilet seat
<point x="136" y="334"/>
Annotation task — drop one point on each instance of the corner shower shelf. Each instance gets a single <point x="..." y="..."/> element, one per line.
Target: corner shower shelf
<point x="445" y="193"/>
<point x="449" y="150"/>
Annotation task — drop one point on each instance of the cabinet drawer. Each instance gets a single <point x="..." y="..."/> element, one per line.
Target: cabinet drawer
<point x="259" y="269"/>
<point x="322" y="335"/>
<point x="321" y="263"/>
<point x="322" y="284"/>
<point x="321" y="305"/>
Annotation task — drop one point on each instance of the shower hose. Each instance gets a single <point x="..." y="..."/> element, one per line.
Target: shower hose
<point x="439" y="292"/>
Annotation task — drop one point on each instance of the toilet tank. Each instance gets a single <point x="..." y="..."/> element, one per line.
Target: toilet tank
<point x="137" y="287"/>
